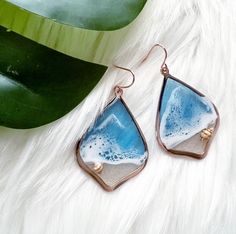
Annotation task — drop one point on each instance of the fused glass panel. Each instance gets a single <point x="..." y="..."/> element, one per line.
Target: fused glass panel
<point x="113" y="148"/>
<point x="186" y="119"/>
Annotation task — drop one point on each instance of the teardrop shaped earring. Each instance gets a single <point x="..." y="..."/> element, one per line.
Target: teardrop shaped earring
<point x="113" y="149"/>
<point x="186" y="120"/>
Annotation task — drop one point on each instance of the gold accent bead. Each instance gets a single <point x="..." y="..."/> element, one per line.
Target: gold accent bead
<point x="206" y="134"/>
<point x="98" y="167"/>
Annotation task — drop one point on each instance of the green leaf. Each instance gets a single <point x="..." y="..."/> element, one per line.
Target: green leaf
<point x="89" y="45"/>
<point x="39" y="85"/>
<point x="90" y="14"/>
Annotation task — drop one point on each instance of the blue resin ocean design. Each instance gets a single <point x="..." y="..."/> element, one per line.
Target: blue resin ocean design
<point x="113" y="138"/>
<point x="183" y="113"/>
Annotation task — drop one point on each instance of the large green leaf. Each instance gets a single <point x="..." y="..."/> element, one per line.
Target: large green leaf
<point x="39" y="85"/>
<point x="89" y="14"/>
<point x="89" y="45"/>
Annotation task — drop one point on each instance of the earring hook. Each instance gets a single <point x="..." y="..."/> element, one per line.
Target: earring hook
<point x="164" y="68"/>
<point x="118" y="88"/>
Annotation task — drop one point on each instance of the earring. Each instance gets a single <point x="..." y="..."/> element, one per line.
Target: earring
<point x="186" y="120"/>
<point x="113" y="149"/>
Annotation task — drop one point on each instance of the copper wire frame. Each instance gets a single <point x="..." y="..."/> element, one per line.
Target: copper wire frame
<point x="96" y="176"/>
<point x="92" y="173"/>
<point x="165" y="72"/>
<point x="178" y="152"/>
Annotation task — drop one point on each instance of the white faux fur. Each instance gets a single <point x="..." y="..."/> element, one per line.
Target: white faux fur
<point x="42" y="189"/>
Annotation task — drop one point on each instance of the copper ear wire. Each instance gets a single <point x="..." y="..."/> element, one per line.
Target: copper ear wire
<point x="118" y="88"/>
<point x="164" y="69"/>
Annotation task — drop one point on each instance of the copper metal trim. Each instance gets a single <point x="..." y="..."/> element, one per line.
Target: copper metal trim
<point x="96" y="176"/>
<point x="194" y="155"/>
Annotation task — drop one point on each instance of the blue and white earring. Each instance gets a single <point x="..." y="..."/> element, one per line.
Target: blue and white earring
<point x="186" y="120"/>
<point x="113" y="149"/>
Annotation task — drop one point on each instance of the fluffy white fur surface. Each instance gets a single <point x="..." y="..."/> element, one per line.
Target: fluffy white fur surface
<point x="42" y="188"/>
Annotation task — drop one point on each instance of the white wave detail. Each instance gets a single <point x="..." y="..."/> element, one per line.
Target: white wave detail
<point x="205" y="119"/>
<point x="110" y="119"/>
<point x="94" y="150"/>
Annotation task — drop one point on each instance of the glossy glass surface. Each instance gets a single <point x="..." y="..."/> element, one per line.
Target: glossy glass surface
<point x="113" y="142"/>
<point x="183" y="114"/>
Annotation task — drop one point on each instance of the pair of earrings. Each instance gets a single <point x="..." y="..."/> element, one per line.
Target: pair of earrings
<point x="114" y="149"/>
